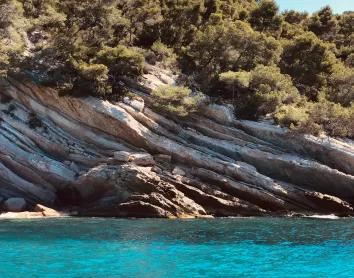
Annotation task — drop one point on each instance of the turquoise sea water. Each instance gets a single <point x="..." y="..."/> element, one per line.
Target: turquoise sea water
<point x="240" y="247"/>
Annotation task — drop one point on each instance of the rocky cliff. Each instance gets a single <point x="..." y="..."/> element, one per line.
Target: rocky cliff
<point x="126" y="160"/>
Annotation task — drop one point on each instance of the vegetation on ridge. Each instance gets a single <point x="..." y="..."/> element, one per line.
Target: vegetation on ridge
<point x="296" y="67"/>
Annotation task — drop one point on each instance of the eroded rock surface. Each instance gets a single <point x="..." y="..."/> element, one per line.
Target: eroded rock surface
<point x="126" y="160"/>
<point x="15" y="204"/>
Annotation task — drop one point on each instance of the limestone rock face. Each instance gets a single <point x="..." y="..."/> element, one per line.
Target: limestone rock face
<point x="122" y="156"/>
<point x="163" y="158"/>
<point x="74" y="168"/>
<point x="137" y="105"/>
<point x="126" y="160"/>
<point x="221" y="114"/>
<point x="178" y="171"/>
<point x="142" y="159"/>
<point x="15" y="204"/>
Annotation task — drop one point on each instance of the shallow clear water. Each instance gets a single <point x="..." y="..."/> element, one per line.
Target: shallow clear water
<point x="240" y="247"/>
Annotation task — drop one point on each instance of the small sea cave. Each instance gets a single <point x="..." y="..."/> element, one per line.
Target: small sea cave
<point x="68" y="197"/>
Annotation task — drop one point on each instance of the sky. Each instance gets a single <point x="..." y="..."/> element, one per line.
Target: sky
<point x="338" y="6"/>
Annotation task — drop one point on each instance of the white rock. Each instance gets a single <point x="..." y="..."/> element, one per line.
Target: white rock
<point x="82" y="173"/>
<point x="126" y="100"/>
<point x="143" y="159"/>
<point x="66" y="162"/>
<point x="137" y="105"/>
<point x="122" y="156"/>
<point x="15" y="204"/>
<point x="178" y="171"/>
<point x="48" y="212"/>
<point x="74" y="168"/>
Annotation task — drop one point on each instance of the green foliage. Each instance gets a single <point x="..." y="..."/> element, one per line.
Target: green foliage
<point x="294" y="17"/>
<point x="265" y="18"/>
<point x="324" y="24"/>
<point x="235" y="80"/>
<point x="349" y="62"/>
<point x="12" y="34"/>
<point x="4" y="60"/>
<point x="298" y="120"/>
<point x="315" y="118"/>
<point x="341" y="89"/>
<point x="231" y="46"/>
<point x="259" y="92"/>
<point x="335" y="119"/>
<point x="121" y="61"/>
<point x="163" y="55"/>
<point x="143" y="20"/>
<point x="176" y="100"/>
<point x="309" y="62"/>
<point x="181" y="20"/>
<point x="290" y="65"/>
<point x="102" y="74"/>
<point x="272" y="89"/>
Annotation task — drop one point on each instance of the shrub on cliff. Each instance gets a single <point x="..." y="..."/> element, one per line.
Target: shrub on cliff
<point x="316" y="117"/>
<point x="341" y="89"/>
<point x="162" y="55"/>
<point x="310" y="62"/>
<point x="259" y="92"/>
<point x="176" y="100"/>
<point x="121" y="61"/>
<point x="4" y="60"/>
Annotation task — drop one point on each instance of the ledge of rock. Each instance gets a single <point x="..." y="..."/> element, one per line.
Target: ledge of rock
<point x="126" y="160"/>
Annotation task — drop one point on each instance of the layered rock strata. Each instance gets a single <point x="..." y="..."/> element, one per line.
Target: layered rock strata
<point x="126" y="160"/>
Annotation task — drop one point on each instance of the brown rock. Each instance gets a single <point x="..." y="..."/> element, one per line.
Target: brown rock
<point x="47" y="212"/>
<point x="142" y="159"/>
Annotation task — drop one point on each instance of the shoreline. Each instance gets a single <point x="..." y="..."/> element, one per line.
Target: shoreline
<point x="41" y="215"/>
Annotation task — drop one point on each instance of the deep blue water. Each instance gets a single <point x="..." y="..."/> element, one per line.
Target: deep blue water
<point x="240" y="247"/>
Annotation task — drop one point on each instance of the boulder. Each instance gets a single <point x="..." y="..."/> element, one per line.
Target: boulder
<point x="15" y="204"/>
<point x="143" y="159"/>
<point x="47" y="212"/>
<point x="126" y="100"/>
<point x="137" y="105"/>
<point x="178" y="171"/>
<point x="219" y="113"/>
<point x="122" y="156"/>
